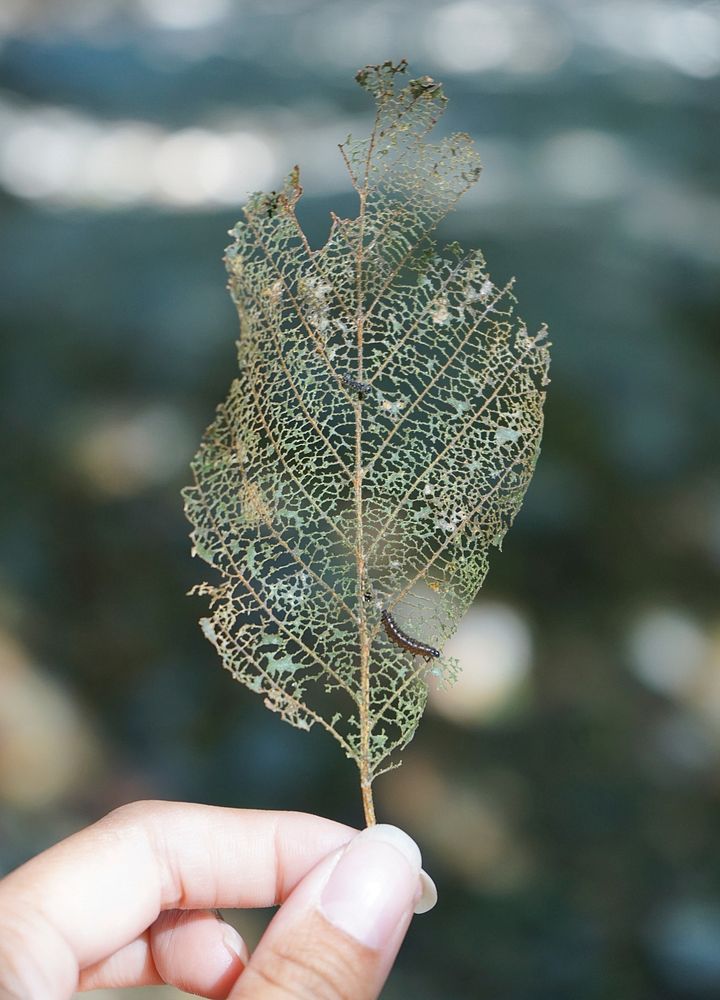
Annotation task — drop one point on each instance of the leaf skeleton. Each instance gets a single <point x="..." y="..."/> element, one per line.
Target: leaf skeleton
<point x="402" y="639"/>
<point x="313" y="327"/>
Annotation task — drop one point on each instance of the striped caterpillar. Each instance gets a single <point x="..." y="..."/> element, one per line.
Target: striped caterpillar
<point x="400" y="638"/>
<point x="362" y="388"/>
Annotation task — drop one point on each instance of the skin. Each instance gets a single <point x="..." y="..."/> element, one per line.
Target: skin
<point x="129" y="901"/>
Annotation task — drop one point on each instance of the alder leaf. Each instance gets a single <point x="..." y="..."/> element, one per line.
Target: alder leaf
<point x="378" y="440"/>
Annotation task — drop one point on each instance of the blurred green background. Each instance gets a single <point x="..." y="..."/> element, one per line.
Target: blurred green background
<point x="567" y="793"/>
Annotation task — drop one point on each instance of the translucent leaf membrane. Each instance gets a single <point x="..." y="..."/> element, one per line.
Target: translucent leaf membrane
<point x="379" y="439"/>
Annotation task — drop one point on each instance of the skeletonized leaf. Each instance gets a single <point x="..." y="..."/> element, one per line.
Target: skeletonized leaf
<point x="378" y="440"/>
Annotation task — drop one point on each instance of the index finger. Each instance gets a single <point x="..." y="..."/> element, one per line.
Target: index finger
<point x="94" y="892"/>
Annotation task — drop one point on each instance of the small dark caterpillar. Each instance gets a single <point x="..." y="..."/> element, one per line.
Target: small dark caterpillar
<point x="400" y="638"/>
<point x="363" y="388"/>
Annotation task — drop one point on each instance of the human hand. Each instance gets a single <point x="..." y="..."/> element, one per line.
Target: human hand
<point x="129" y="900"/>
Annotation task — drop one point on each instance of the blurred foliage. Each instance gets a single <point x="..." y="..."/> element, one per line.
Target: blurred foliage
<point x="571" y="818"/>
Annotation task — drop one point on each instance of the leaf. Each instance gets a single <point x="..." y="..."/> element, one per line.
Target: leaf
<point x="378" y="440"/>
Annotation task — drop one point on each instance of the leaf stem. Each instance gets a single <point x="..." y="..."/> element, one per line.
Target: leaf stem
<point x="364" y="706"/>
<point x="364" y="703"/>
<point x="368" y="804"/>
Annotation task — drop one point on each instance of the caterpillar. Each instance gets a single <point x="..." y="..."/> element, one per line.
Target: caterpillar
<point x="363" y="388"/>
<point x="400" y="638"/>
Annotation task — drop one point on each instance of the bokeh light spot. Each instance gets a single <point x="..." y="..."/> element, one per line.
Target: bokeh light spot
<point x="585" y="164"/>
<point x="185" y="15"/>
<point x="667" y="650"/>
<point x="494" y="648"/>
<point x="119" y="453"/>
<point x="47" y="748"/>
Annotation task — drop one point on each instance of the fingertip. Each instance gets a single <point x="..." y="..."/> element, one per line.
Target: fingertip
<point x="234" y="943"/>
<point x="340" y="930"/>
<point x="397" y="838"/>
<point x="374" y="885"/>
<point x="197" y="952"/>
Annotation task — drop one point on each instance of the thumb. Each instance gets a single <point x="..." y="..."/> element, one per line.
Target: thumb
<point x="337" y="935"/>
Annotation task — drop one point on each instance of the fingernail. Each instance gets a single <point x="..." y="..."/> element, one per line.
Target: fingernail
<point x="428" y="894"/>
<point x="235" y="944"/>
<point x="374" y="885"/>
<point x="232" y="940"/>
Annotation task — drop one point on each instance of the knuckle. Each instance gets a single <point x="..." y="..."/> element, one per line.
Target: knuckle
<point x="310" y="965"/>
<point x="141" y="819"/>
